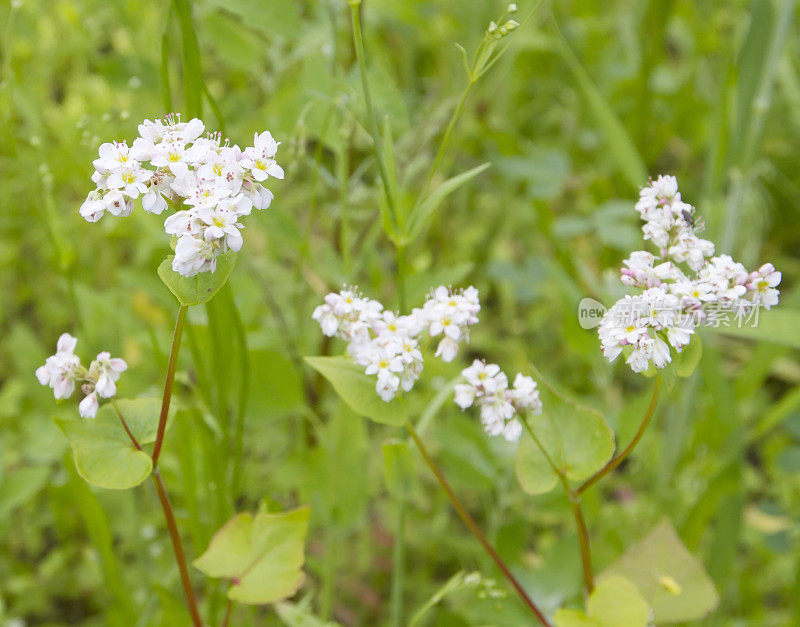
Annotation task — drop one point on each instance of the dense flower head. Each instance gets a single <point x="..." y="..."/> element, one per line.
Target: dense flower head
<point x="683" y="285"/>
<point x="487" y="387"/>
<point x="211" y="183"/>
<point x="386" y="343"/>
<point x="63" y="371"/>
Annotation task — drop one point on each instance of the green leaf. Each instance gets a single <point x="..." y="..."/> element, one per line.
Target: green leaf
<point x="670" y="578"/>
<point x="423" y="211"/>
<point x="262" y="555"/>
<point x="577" y="440"/>
<point x="780" y="326"/>
<point x="398" y="468"/>
<point x="103" y="452"/>
<point x="615" y="602"/>
<point x="689" y="357"/>
<point x="357" y="390"/>
<point x="200" y="288"/>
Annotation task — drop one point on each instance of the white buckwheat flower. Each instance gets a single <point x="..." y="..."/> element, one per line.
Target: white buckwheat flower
<point x="386" y="344"/>
<point x="59" y="370"/>
<point x="450" y="313"/>
<point x="63" y="371"/>
<point x="487" y="387"/>
<point x="211" y="182"/>
<point x="676" y="300"/>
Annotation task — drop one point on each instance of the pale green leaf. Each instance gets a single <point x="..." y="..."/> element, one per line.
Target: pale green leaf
<point x="104" y="454"/>
<point x="262" y="555"/>
<point x="576" y="438"/>
<point x="357" y="390"/>
<point x="200" y="288"/>
<point x="423" y="211"/>
<point x="573" y="618"/>
<point x="670" y="578"/>
<point x="615" y="602"/>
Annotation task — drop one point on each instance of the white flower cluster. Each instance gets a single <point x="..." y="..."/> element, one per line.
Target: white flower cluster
<point x="487" y="387"/>
<point x="210" y="182"/>
<point x="387" y="344"/>
<point x="63" y="370"/>
<point x="675" y="300"/>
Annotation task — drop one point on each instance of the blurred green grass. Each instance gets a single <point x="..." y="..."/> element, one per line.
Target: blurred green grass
<point x="571" y="119"/>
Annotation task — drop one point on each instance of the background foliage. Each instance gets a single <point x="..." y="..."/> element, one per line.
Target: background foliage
<point x="590" y="98"/>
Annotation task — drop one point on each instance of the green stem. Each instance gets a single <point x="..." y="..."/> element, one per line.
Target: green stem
<point x="473" y="527"/>
<point x="358" y="42"/>
<point x="611" y="465"/>
<point x="343" y="173"/>
<point x="446" y="137"/>
<point x="398" y="565"/>
<point x="173" y="363"/>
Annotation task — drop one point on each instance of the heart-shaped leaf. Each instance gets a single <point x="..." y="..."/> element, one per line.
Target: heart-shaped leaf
<point x="616" y="602"/>
<point x="261" y="555"/>
<point x="104" y="454"/>
<point x="670" y="578"/>
<point x="576" y="438"/>
<point x="198" y="289"/>
<point x="357" y="390"/>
